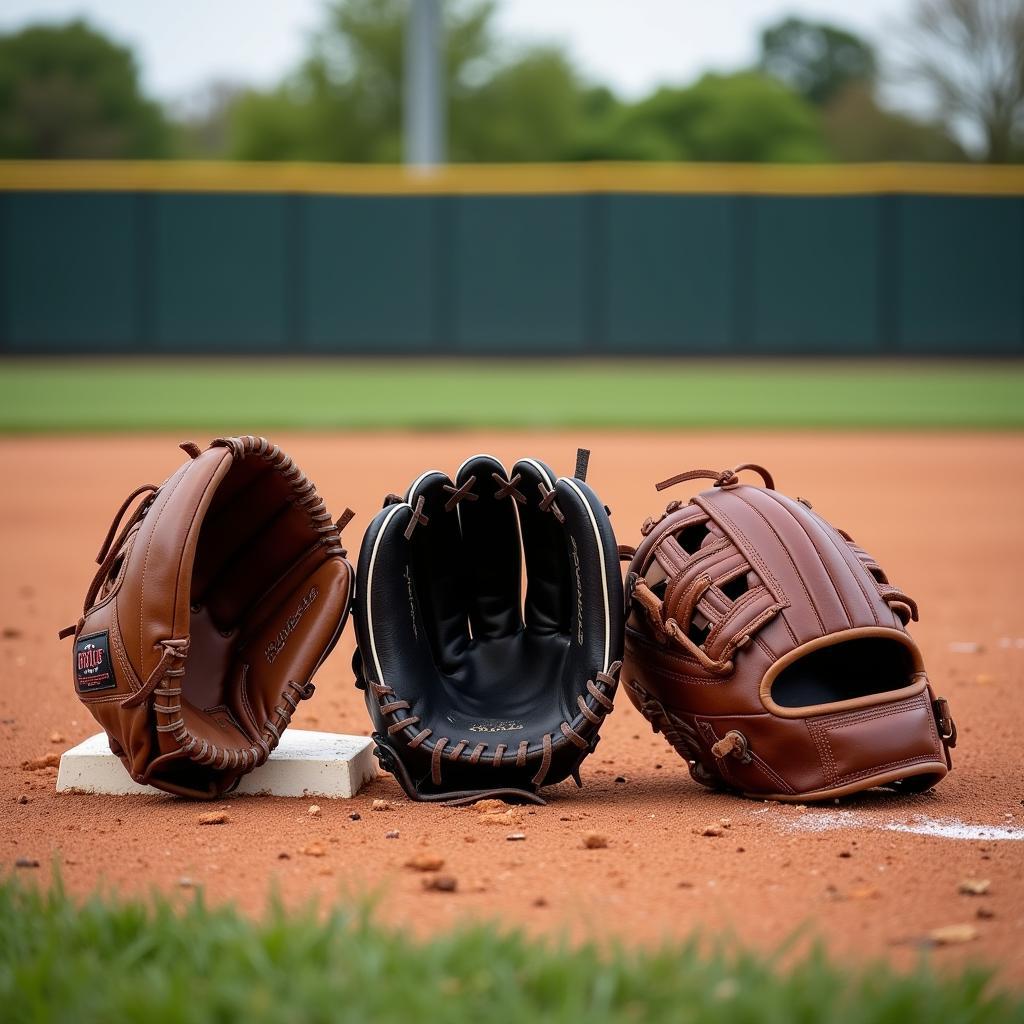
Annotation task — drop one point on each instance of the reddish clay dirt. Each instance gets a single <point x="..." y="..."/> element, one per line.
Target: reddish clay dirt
<point x="943" y="514"/>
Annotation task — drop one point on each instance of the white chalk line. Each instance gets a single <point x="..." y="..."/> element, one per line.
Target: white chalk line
<point x="919" y="825"/>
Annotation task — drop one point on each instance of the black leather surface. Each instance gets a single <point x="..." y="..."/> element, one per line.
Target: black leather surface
<point x="441" y="622"/>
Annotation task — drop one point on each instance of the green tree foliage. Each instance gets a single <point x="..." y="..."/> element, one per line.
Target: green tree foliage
<point x="741" y="117"/>
<point x="67" y="91"/>
<point x="345" y="101"/>
<point x="533" y="108"/>
<point x="815" y="59"/>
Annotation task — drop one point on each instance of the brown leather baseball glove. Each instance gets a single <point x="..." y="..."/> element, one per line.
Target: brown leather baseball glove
<point x="772" y="651"/>
<point x="211" y="611"/>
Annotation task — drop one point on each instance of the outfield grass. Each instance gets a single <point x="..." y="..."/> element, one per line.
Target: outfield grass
<point x="111" y="961"/>
<point x="262" y="395"/>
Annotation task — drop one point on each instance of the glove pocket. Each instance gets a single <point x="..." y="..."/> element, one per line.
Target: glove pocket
<point x="292" y="641"/>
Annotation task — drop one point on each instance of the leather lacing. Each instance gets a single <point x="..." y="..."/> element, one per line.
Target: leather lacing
<point x="601" y="689"/>
<point x="508" y="488"/>
<point x="721" y="477"/>
<point x="463" y="493"/>
<point x="670" y="629"/>
<point x="204" y="752"/>
<point x="418" y="518"/>
<point x="304" y="494"/>
<point x="681" y="736"/>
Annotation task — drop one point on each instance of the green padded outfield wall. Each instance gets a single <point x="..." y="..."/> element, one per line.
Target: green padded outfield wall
<point x="119" y="266"/>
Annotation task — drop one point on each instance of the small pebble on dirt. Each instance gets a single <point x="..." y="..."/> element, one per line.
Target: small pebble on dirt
<point x="965" y="647"/>
<point x="283" y="855"/>
<point x="56" y="737"/>
<point x="515" y="837"/>
<point x="845" y="854"/>
<point x="214" y="818"/>
<point x="985" y="913"/>
<point x="595" y="841"/>
<point x="393" y="834"/>
<point x="725" y="822"/>
<point x="355" y="816"/>
<point x="952" y="934"/>
<point x="313" y="850"/>
<point x="22" y="799"/>
<point x="381" y="805"/>
<point x="710" y="830"/>
<point x="314" y="810"/>
<point x="425" y="862"/>
<point x="684" y="885"/>
<point x="440" y="883"/>
<point x="185" y="882"/>
<point x="620" y="779"/>
<point x="974" y="886"/>
<point x="540" y="901"/>
<point x="26" y="862"/>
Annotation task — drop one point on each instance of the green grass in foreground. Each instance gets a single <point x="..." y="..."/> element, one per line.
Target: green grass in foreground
<point x="127" y="961"/>
<point x="263" y="395"/>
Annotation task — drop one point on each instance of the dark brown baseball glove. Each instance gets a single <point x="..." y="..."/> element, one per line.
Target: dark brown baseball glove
<point x="772" y="650"/>
<point x="209" y="614"/>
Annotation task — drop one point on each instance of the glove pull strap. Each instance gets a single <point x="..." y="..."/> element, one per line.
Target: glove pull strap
<point x="582" y="463"/>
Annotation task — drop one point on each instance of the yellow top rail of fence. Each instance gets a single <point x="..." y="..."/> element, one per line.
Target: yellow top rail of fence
<point x="510" y="179"/>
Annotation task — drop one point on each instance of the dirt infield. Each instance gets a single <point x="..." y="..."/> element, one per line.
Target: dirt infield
<point x="872" y="877"/>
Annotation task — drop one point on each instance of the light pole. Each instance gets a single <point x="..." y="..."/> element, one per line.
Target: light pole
<point x="424" y="100"/>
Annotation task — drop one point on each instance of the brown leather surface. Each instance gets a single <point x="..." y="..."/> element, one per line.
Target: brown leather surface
<point x="209" y="615"/>
<point x="772" y="650"/>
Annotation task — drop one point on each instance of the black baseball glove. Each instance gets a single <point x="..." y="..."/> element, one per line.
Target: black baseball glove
<point x="474" y="692"/>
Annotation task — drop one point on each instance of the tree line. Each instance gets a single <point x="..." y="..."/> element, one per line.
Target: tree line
<point x="68" y="91"/>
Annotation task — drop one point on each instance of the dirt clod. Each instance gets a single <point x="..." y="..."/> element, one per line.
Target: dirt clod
<point x="595" y="841"/>
<point x="509" y="817"/>
<point x="425" y="862"/>
<point x="393" y="834"/>
<point x="440" y="883"/>
<point x="710" y="830"/>
<point x="381" y="805"/>
<point x="314" y="811"/>
<point x="313" y="850"/>
<point x="490" y="805"/>
<point x="214" y="818"/>
<point x="36" y="764"/>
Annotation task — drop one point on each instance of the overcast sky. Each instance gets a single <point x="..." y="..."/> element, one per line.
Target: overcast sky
<point x="630" y="44"/>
